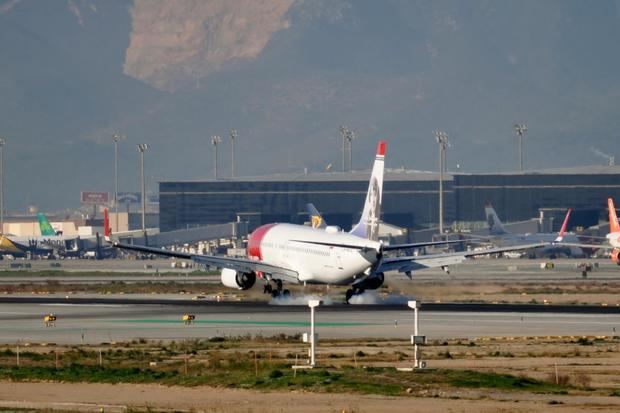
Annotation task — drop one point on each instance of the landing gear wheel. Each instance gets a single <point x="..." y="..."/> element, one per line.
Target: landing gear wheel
<point x="275" y="293"/>
<point x="279" y="285"/>
<point x="286" y="293"/>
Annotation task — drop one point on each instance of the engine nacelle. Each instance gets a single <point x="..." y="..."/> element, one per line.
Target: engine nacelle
<point x="238" y="280"/>
<point x="372" y="283"/>
<point x="615" y="255"/>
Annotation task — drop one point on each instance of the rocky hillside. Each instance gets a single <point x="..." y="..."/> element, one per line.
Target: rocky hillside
<point x="286" y="74"/>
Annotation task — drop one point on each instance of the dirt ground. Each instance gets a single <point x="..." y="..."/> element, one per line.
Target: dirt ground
<point x="121" y="397"/>
<point x="597" y="360"/>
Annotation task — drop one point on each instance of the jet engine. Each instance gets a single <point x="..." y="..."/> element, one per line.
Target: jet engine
<point x="238" y="280"/>
<point x="615" y="255"/>
<point x="371" y="283"/>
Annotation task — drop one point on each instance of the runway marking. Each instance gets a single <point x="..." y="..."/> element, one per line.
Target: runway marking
<point x="253" y="322"/>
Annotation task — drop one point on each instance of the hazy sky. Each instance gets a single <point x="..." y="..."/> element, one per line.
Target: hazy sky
<point x="286" y="74"/>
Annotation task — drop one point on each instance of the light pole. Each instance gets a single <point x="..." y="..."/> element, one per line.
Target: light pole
<point x="442" y="139"/>
<point x="233" y="137"/>
<point x="116" y="139"/>
<point x="215" y="140"/>
<point x="2" y="143"/>
<point x="350" y="136"/>
<point x="313" y="304"/>
<point x="142" y="147"/>
<point x="520" y="129"/>
<point x="343" y="135"/>
<point x="416" y="339"/>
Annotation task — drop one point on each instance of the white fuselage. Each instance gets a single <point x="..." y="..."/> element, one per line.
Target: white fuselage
<point x="303" y="249"/>
<point x="614" y="239"/>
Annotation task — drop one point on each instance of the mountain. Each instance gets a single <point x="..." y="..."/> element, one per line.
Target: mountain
<point x="286" y="74"/>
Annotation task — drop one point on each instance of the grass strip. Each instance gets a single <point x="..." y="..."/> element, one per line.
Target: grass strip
<point x="279" y="376"/>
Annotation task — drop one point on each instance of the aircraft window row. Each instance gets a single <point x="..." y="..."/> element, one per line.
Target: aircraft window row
<point x="308" y="250"/>
<point x="294" y="248"/>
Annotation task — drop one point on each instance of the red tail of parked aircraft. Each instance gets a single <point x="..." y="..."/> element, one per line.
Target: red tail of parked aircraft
<point x="106" y="223"/>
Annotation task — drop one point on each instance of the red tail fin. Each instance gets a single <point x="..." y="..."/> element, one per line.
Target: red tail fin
<point x="613" y="218"/>
<point x="564" y="225"/>
<point x="106" y="223"/>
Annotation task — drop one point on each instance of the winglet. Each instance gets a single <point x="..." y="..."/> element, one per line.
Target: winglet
<point x="613" y="218"/>
<point x="564" y="225"/>
<point x="106" y="224"/>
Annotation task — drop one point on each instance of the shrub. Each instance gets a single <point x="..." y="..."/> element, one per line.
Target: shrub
<point x="582" y="379"/>
<point x="561" y="379"/>
<point x="274" y="374"/>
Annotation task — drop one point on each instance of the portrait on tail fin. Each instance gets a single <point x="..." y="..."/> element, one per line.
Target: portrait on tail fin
<point x="368" y="225"/>
<point x="316" y="219"/>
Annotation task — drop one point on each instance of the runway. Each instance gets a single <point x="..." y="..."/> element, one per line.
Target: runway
<point x="96" y="323"/>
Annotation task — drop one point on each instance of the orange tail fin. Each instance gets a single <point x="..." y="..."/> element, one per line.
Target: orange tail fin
<point x="613" y="218"/>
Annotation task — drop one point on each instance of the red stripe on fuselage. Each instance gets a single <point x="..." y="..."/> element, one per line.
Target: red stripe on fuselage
<point x="255" y="239"/>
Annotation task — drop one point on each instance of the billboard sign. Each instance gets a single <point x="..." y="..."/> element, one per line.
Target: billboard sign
<point x="94" y="198"/>
<point x="129" y="197"/>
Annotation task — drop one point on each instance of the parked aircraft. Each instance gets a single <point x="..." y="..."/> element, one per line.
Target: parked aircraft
<point x="557" y="243"/>
<point x="49" y="242"/>
<point x="613" y="237"/>
<point x="614" y="232"/>
<point x="286" y="253"/>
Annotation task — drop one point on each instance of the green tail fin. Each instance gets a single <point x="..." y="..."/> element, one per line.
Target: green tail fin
<point x="44" y="225"/>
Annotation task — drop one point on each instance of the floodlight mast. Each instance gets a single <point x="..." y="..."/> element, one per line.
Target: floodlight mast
<point x="350" y="138"/>
<point x="2" y="144"/>
<point x="142" y="147"/>
<point x="520" y="129"/>
<point x="233" y="138"/>
<point x="343" y="135"/>
<point x="116" y="138"/>
<point x="441" y="138"/>
<point x="215" y="141"/>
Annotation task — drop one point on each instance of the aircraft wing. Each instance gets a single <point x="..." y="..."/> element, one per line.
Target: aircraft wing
<point x="405" y="264"/>
<point x="591" y="246"/>
<point x="237" y="264"/>
<point x="419" y="245"/>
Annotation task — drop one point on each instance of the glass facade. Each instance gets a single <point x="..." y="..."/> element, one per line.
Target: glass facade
<point x="406" y="203"/>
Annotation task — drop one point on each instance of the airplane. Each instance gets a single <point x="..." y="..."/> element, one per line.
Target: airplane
<point x="614" y="232"/>
<point x="556" y="242"/>
<point x="48" y="242"/>
<point x="281" y="253"/>
<point x="613" y="237"/>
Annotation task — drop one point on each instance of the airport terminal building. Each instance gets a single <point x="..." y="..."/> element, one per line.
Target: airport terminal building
<point x="410" y="198"/>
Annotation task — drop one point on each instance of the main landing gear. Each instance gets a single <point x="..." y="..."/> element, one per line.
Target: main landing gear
<point x="276" y="291"/>
<point x="351" y="292"/>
